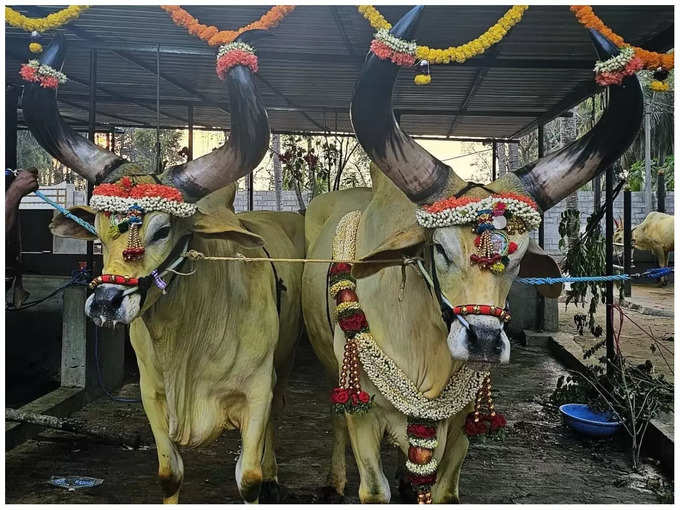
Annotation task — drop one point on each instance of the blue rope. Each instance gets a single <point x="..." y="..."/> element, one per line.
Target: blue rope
<point x="66" y="212"/>
<point x="652" y="273"/>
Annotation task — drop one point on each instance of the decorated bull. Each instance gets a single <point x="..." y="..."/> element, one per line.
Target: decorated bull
<point x="214" y="345"/>
<point x="654" y="234"/>
<point x="408" y="332"/>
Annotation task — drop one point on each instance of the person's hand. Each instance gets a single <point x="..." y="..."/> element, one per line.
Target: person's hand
<point x="26" y="181"/>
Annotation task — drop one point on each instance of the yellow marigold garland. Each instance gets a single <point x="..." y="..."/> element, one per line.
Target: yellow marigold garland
<point x="460" y="53"/>
<point x="49" y="22"/>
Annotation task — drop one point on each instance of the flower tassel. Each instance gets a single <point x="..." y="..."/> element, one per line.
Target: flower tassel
<point x="491" y="424"/>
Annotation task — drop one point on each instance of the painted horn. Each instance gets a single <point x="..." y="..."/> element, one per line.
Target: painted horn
<point x="553" y="177"/>
<point x="54" y="135"/>
<point x="414" y="170"/>
<point x="247" y="144"/>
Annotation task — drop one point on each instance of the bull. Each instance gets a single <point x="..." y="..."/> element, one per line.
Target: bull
<point x="214" y="347"/>
<point x="654" y="234"/>
<point x="432" y="345"/>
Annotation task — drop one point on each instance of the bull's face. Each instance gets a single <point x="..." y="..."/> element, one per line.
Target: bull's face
<point x="465" y="283"/>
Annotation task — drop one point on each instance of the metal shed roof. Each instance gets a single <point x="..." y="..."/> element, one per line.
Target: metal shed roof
<point x="310" y="63"/>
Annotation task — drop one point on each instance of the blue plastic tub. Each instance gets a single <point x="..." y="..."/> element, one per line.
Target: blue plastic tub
<point x="583" y="419"/>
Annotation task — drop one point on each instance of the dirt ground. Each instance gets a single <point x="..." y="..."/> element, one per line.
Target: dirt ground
<point x="540" y="461"/>
<point x="635" y="342"/>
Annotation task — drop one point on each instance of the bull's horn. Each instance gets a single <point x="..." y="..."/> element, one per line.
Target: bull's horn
<point x="247" y="144"/>
<point x="556" y="175"/>
<point x="54" y="135"/>
<point x="414" y="170"/>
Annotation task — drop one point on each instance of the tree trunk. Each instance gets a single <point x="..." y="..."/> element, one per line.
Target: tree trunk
<point x="278" y="177"/>
<point x="568" y="133"/>
<point x="501" y="166"/>
<point x="311" y="176"/>
<point x="513" y="157"/>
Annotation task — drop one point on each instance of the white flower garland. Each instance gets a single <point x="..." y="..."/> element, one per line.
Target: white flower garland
<point x="236" y="45"/>
<point x="421" y="442"/>
<point x="468" y="213"/>
<point x="422" y="469"/>
<point x="122" y="204"/>
<point x="617" y="63"/>
<point x="45" y="70"/>
<point x="399" y="45"/>
<point x="398" y="389"/>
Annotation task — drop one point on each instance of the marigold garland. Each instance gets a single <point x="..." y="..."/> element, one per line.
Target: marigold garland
<point x="454" y="53"/>
<point x="650" y="59"/>
<point x="213" y="36"/>
<point x="49" y="22"/>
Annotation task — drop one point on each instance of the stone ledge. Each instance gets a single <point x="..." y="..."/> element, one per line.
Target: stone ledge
<point x="645" y="310"/>
<point x="659" y="438"/>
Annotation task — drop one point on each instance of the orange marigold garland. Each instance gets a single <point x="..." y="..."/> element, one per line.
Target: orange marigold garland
<point x="215" y="37"/>
<point x="650" y="59"/>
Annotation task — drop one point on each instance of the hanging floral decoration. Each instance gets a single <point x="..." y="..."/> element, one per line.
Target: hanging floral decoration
<point x="457" y="54"/>
<point x="215" y="37"/>
<point x="43" y="74"/>
<point x="659" y="86"/>
<point x="35" y="47"/>
<point x="492" y="423"/>
<point x="49" y="22"/>
<point x="233" y="54"/>
<point x="388" y="47"/>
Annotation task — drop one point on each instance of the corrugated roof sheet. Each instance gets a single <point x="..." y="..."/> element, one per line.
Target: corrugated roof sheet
<point x="308" y="69"/>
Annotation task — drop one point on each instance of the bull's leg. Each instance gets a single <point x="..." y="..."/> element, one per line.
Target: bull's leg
<point x="334" y="490"/>
<point x="448" y="475"/>
<point x="170" y="465"/>
<point x="269" y="492"/>
<point x="661" y="258"/>
<point x="249" y="473"/>
<point x="366" y="433"/>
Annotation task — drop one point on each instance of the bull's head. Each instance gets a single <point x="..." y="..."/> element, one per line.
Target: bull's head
<point x="176" y="206"/>
<point x="465" y="272"/>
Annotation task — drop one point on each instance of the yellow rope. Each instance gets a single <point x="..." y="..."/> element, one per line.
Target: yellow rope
<point x="197" y="255"/>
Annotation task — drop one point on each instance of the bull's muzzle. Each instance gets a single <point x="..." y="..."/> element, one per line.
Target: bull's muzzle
<point x="484" y="340"/>
<point x="108" y="306"/>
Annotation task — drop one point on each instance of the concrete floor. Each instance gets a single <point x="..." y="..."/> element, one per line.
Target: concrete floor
<point x="539" y="462"/>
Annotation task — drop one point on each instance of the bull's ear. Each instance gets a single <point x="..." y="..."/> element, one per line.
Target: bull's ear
<point x="61" y="226"/>
<point x="399" y="244"/>
<point x="538" y="264"/>
<point x="224" y="225"/>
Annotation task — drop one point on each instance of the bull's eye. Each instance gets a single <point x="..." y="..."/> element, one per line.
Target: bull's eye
<point x="440" y="249"/>
<point x="161" y="233"/>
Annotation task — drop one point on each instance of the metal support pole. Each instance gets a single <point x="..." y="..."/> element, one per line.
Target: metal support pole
<point x="91" y="125"/>
<point x="494" y="157"/>
<point x="113" y="139"/>
<point x="661" y="192"/>
<point x="627" y="240"/>
<point x="251" y="201"/>
<point x="648" y="159"/>
<point x="159" y="163"/>
<point x="609" y="269"/>
<point x="190" y="125"/>
<point x="11" y="99"/>
<point x="540" y="299"/>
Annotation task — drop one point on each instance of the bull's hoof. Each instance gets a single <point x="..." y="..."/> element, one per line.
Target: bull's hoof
<point x="328" y="494"/>
<point x="270" y="492"/>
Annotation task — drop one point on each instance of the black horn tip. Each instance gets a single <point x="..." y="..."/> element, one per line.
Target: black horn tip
<point x="250" y="36"/>
<point x="604" y="48"/>
<point x="406" y="26"/>
<point x="54" y="55"/>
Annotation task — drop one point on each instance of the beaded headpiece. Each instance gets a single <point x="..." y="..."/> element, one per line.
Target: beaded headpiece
<point x="125" y="203"/>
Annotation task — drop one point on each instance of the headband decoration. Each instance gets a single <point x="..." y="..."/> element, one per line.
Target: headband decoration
<point x="234" y="54"/>
<point x="494" y="218"/>
<point x="125" y="204"/>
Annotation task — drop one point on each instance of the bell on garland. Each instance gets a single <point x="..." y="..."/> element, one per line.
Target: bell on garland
<point x="660" y="74"/>
<point x="423" y="74"/>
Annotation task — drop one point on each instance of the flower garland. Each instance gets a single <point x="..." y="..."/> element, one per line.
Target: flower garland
<point x="457" y="54"/>
<point x="459" y="211"/>
<point x="43" y="74"/>
<point x="388" y="47"/>
<point x="233" y="54"/>
<point x="615" y="69"/>
<point x="213" y="36"/>
<point x="651" y="60"/>
<point x="49" y="22"/>
<point x="659" y="86"/>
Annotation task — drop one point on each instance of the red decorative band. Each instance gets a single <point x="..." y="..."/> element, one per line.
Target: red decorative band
<point x="114" y="278"/>
<point x="495" y="311"/>
<point x="422" y="479"/>
<point x="235" y="58"/>
<point x="384" y="52"/>
<point x="421" y="431"/>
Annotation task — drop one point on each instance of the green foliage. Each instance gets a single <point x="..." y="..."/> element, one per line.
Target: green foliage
<point x="51" y="171"/>
<point x="139" y="145"/>
<point x="636" y="174"/>
<point x="586" y="257"/>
